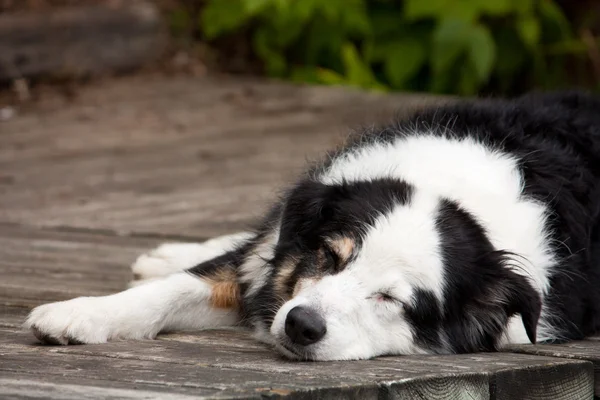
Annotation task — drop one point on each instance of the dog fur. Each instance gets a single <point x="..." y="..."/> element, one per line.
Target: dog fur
<point x="460" y="229"/>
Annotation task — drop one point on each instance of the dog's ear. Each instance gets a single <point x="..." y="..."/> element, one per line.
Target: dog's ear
<point x="521" y="298"/>
<point x="483" y="318"/>
<point x="484" y="288"/>
<point x="509" y="295"/>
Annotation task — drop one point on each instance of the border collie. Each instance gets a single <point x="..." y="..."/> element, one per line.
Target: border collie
<point x="464" y="228"/>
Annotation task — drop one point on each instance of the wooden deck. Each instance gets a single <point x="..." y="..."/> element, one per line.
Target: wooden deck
<point x="85" y="187"/>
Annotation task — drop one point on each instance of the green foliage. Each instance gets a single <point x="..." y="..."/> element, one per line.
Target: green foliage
<point x="443" y="46"/>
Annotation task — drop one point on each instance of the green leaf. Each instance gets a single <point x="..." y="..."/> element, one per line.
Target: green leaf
<point x="322" y="43"/>
<point x="464" y="10"/>
<point x="420" y="9"/>
<point x="468" y="83"/>
<point x="219" y="17"/>
<point x="482" y="52"/>
<point x="331" y="9"/>
<point x="354" y="18"/>
<point x="529" y="30"/>
<point x="442" y="9"/>
<point x="284" y="28"/>
<point x="303" y="10"/>
<point x="274" y="61"/>
<point x="385" y="24"/>
<point x="357" y="72"/>
<point x="305" y="75"/>
<point x="377" y="51"/>
<point x="523" y="7"/>
<point x="495" y="7"/>
<point x="403" y="59"/>
<point x="330" y="77"/>
<point x="253" y="7"/>
<point x="450" y="41"/>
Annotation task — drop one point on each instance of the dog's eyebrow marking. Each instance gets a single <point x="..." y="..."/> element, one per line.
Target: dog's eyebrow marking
<point x="225" y="291"/>
<point x="283" y="276"/>
<point x="343" y="246"/>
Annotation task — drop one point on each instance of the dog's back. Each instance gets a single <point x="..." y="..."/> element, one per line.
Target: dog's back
<point x="556" y="139"/>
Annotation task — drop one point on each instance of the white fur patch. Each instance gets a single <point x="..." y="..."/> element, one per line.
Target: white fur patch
<point x="400" y="252"/>
<point x="486" y="183"/>
<point x="169" y="258"/>
<point x="177" y="302"/>
<point x="358" y="325"/>
<point x="255" y="269"/>
<point x="403" y="248"/>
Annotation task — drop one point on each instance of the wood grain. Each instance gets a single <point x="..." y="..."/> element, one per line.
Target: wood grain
<point x="86" y="187"/>
<point x="80" y="41"/>
<point x="228" y="362"/>
<point x="581" y="350"/>
<point x="39" y="266"/>
<point x="17" y="386"/>
<point x="182" y="157"/>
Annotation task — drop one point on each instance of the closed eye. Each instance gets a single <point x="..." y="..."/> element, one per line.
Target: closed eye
<point x="332" y="257"/>
<point x="386" y="297"/>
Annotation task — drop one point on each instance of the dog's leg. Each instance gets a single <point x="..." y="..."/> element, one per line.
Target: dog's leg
<point x="169" y="258"/>
<point x="207" y="298"/>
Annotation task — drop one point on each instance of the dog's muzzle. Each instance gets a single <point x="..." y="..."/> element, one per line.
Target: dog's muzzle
<point x="304" y="326"/>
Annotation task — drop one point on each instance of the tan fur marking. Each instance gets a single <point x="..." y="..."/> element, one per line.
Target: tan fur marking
<point x="283" y="276"/>
<point x="225" y="291"/>
<point x="343" y="246"/>
<point x="225" y="295"/>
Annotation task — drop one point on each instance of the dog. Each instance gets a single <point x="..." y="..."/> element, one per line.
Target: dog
<point x="463" y="228"/>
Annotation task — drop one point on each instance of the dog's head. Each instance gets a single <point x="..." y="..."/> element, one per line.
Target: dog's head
<point x="379" y="267"/>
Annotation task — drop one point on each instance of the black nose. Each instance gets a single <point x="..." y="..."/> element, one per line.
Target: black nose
<point x="304" y="326"/>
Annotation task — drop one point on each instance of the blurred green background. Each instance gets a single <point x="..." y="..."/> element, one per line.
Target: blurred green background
<point x="461" y="47"/>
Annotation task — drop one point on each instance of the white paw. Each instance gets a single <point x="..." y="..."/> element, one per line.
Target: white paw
<point x="77" y="321"/>
<point x="174" y="257"/>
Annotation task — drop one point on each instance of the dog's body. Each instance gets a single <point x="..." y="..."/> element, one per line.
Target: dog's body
<point x="459" y="230"/>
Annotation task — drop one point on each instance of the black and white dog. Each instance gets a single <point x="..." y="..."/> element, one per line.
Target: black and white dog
<point x="461" y="229"/>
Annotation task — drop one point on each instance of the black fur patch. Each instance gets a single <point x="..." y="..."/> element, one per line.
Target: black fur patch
<point x="425" y="314"/>
<point x="481" y="290"/>
<point x="556" y="142"/>
<point x="556" y="139"/>
<point x="315" y="211"/>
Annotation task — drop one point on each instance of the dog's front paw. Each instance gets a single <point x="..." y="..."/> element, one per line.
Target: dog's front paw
<point x="76" y="321"/>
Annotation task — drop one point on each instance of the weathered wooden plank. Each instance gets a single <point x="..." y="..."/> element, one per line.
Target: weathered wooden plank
<point x="12" y="317"/>
<point x="588" y="350"/>
<point x="57" y="265"/>
<point x="192" y="158"/>
<point x="228" y="382"/>
<point x="79" y="41"/>
<point x="21" y="386"/>
<point x="217" y="364"/>
<point x="178" y="156"/>
<point x="532" y="384"/>
<point x="40" y="266"/>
